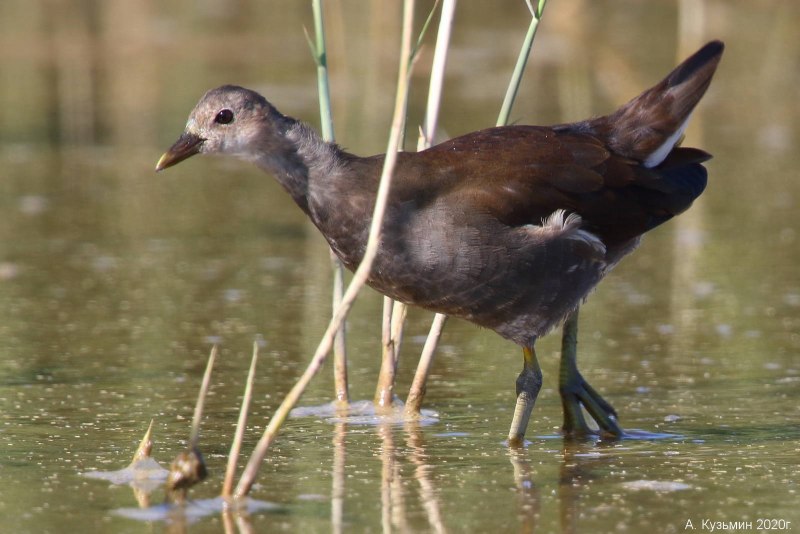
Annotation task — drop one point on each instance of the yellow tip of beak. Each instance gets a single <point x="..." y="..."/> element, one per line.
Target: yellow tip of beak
<point x="162" y="162"/>
<point x="186" y="146"/>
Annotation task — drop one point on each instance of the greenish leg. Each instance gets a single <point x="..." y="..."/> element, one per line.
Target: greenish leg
<point x="577" y="393"/>
<point x="529" y="383"/>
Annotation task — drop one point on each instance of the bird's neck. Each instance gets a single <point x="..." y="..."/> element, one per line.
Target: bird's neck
<point x="321" y="179"/>
<point x="334" y="188"/>
<point x="297" y="156"/>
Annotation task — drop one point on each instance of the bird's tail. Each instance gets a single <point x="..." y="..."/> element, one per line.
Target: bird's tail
<point x="648" y="127"/>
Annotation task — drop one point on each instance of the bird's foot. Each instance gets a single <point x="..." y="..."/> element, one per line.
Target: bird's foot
<point x="576" y="393"/>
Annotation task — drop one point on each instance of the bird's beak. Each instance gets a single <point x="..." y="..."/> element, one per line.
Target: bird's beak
<point x="187" y="145"/>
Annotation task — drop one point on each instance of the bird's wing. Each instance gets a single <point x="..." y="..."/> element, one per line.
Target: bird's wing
<point x="522" y="174"/>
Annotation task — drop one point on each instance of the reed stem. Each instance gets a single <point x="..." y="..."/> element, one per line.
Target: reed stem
<point x="320" y="53"/>
<point x="241" y="424"/>
<point x="194" y="436"/>
<point x="416" y="392"/>
<point x="362" y="273"/>
<point x="522" y="61"/>
<point x="394" y="313"/>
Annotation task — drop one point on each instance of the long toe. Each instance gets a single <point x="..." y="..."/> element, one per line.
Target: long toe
<point x="578" y="395"/>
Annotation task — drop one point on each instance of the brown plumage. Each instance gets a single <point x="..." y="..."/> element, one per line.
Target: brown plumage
<point x="508" y="227"/>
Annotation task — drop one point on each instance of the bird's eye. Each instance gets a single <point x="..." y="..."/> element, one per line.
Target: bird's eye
<point x="224" y="117"/>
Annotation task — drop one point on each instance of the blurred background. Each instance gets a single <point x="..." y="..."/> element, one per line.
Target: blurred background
<point x="115" y="281"/>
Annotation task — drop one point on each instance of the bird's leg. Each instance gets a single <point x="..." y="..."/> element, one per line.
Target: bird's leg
<point x="577" y="393"/>
<point x="529" y="382"/>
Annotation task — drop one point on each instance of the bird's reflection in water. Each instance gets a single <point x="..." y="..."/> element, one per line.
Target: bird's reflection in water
<point x="581" y="461"/>
<point x="527" y="493"/>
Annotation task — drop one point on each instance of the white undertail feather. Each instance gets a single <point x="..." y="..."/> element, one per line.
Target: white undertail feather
<point x="655" y="158"/>
<point x="569" y="226"/>
<point x="559" y="221"/>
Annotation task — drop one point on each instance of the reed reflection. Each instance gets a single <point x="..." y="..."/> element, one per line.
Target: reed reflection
<point x="338" y="472"/>
<point x="397" y="504"/>
<point x="428" y="494"/>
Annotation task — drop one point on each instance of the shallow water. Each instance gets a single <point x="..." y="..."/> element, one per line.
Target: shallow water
<point x="115" y="282"/>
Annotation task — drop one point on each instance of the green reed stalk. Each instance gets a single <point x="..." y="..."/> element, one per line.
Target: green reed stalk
<point x="362" y="273"/>
<point x="320" y="54"/>
<point x="522" y="61"/>
<point x="319" y="51"/>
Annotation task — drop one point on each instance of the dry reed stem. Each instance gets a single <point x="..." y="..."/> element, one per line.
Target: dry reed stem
<point x="427" y="136"/>
<point x="392" y="325"/>
<point x="236" y="446"/>
<point x="194" y="436"/>
<point x="146" y="445"/>
<point x="418" y="385"/>
<point x="384" y="390"/>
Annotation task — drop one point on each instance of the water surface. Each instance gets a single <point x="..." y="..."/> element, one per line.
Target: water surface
<point x="115" y="282"/>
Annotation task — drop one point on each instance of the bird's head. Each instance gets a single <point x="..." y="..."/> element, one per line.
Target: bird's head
<point x="227" y="120"/>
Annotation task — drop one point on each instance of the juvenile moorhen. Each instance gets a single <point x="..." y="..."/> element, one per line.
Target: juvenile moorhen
<point x="507" y="227"/>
